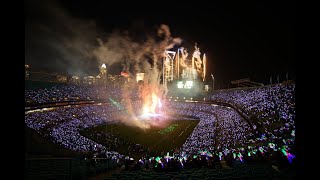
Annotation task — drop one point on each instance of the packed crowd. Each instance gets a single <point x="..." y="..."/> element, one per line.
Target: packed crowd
<point x="62" y="126"/>
<point x="271" y="109"/>
<point x="221" y="133"/>
<point x="60" y="93"/>
<point x="220" y="128"/>
<point x="70" y="92"/>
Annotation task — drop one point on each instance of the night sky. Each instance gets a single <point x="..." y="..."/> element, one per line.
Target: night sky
<point x="240" y="39"/>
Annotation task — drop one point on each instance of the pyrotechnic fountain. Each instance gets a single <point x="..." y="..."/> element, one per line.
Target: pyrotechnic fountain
<point x="151" y="94"/>
<point x="193" y="70"/>
<point x="153" y="60"/>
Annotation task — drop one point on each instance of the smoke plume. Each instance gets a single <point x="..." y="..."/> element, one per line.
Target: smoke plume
<point x="144" y="56"/>
<point x="63" y="42"/>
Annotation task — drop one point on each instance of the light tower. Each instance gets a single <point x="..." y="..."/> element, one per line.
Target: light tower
<point x="26" y="66"/>
<point x="212" y="81"/>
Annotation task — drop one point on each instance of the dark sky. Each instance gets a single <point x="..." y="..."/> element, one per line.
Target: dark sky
<point x="241" y="39"/>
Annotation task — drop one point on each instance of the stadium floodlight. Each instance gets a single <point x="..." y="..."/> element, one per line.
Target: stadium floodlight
<point x="212" y="81"/>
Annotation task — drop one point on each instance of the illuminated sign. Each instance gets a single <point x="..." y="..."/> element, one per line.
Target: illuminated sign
<point x="180" y="84"/>
<point x="140" y="76"/>
<point x="188" y="85"/>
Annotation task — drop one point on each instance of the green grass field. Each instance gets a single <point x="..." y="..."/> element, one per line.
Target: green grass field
<point x="157" y="139"/>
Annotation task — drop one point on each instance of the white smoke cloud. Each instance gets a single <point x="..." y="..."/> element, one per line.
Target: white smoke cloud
<point x="59" y="40"/>
<point x="120" y="47"/>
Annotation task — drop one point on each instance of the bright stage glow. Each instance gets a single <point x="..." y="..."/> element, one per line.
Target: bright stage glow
<point x="148" y="116"/>
<point x="159" y="103"/>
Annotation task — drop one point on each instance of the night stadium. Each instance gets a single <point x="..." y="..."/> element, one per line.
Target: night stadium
<point x="109" y="101"/>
